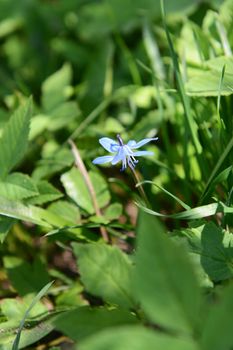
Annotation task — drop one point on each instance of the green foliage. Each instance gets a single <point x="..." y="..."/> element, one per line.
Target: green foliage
<point x="14" y="140"/>
<point x="85" y="321"/>
<point x="135" y="338"/>
<point x="76" y="189"/>
<point x="214" y="246"/>
<point x="217" y="327"/>
<point x="26" y="278"/>
<point x="106" y="272"/>
<point x="17" y="186"/>
<point x="165" y="282"/>
<point x="127" y="275"/>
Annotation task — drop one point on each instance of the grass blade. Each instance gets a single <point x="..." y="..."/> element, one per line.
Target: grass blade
<point x="34" y="301"/>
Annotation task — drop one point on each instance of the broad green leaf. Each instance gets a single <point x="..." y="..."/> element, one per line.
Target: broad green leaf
<point x="215" y="247"/>
<point x="135" y="338"/>
<point x="63" y="115"/>
<point x="55" y="89"/>
<point x="217" y="329"/>
<point x="113" y="211"/>
<point x="22" y="212"/>
<point x="26" y="278"/>
<point x="76" y="189"/>
<point x="85" y="321"/>
<point x="61" y="159"/>
<point x="71" y="297"/>
<point x="60" y="117"/>
<point x="15" y="309"/>
<point x="206" y="83"/>
<point x="46" y="193"/>
<point x="216" y="64"/>
<point x="105" y="272"/>
<point x="17" y="186"/>
<point x="14" y="140"/>
<point x="101" y="189"/>
<point x="165" y="283"/>
<point x="65" y="216"/>
<point x="66" y="212"/>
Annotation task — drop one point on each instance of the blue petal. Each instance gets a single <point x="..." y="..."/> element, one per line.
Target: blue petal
<point x="143" y="153"/>
<point x="120" y="156"/>
<point x="103" y="160"/>
<point x="109" y="144"/>
<point x="133" y="144"/>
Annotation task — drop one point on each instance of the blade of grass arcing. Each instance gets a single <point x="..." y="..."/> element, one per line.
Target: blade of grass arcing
<point x="42" y="292"/>
<point x="158" y="76"/>
<point x="184" y="205"/>
<point x="223" y="37"/>
<point x="80" y="165"/>
<point x="201" y="55"/>
<point x="219" y="92"/>
<point x="89" y="119"/>
<point x="220" y="178"/>
<point x="153" y="52"/>
<point x="129" y="59"/>
<point x="218" y="166"/>
<point x="191" y="124"/>
<point x="192" y="214"/>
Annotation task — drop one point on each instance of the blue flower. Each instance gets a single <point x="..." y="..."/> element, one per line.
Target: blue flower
<point x="121" y="152"/>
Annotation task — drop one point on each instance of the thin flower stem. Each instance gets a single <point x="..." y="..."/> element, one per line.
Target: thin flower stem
<point x="80" y="165"/>
<point x="140" y="188"/>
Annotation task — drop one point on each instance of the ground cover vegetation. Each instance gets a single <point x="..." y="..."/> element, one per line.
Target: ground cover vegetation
<point x="116" y="182"/>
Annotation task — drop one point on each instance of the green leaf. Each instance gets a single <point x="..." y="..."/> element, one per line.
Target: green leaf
<point x="55" y="88"/>
<point x="113" y="211"/>
<point x="76" y="189"/>
<point x="135" y="338"/>
<point x="26" y="278"/>
<point x="61" y="159"/>
<point x="46" y="193"/>
<point x="15" y="309"/>
<point x="105" y="272"/>
<point x="65" y="216"/>
<point x="215" y="246"/>
<point x="101" y="189"/>
<point x="217" y="329"/>
<point x="5" y="225"/>
<point x="206" y="83"/>
<point x="72" y="296"/>
<point x="85" y="321"/>
<point x="63" y="115"/>
<point x="14" y="140"/>
<point x="60" y="117"/>
<point x="17" y="186"/>
<point x="66" y="213"/>
<point x="22" y="212"/>
<point x="165" y="283"/>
